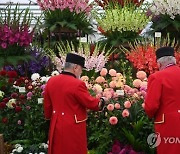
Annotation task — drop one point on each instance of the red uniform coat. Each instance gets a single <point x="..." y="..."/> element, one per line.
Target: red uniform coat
<point x="65" y="102"/>
<point x="163" y="103"/>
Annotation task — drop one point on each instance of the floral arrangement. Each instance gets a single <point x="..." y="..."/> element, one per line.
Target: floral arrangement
<point x="70" y="14"/>
<point x="94" y="60"/>
<point x="24" y="100"/>
<point x="105" y="3"/>
<point x="40" y="63"/>
<point x="143" y="56"/>
<point x="166" y="17"/>
<point x="40" y="149"/>
<point x="120" y="25"/>
<point x="123" y="115"/>
<point x="15" y="35"/>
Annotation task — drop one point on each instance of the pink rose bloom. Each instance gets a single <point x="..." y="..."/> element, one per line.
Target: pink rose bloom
<point x="143" y="105"/>
<point x="110" y="107"/>
<point x="144" y="84"/>
<point x="125" y="113"/>
<point x="19" y="122"/>
<point x="137" y="83"/>
<point x="103" y="72"/>
<point x="113" y="120"/>
<point x="112" y="72"/>
<point x="117" y="106"/>
<point x="141" y="75"/>
<point x="100" y="79"/>
<point x="112" y="84"/>
<point x="127" y="104"/>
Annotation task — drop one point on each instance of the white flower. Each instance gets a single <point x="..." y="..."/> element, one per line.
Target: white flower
<point x="17" y="145"/>
<point x="41" y="153"/>
<point x="19" y="149"/>
<point x="1" y="94"/>
<point x="35" y="76"/>
<point x="10" y="103"/>
<point x="43" y="79"/>
<point x="54" y="73"/>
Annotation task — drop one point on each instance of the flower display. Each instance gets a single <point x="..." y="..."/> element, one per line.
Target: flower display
<point x="122" y="24"/>
<point x="166" y="17"/>
<point x="123" y="109"/>
<point x="143" y="57"/>
<point x="15" y="35"/>
<point x="95" y="61"/>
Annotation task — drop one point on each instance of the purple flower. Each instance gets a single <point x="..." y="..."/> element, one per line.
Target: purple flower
<point x="29" y="94"/>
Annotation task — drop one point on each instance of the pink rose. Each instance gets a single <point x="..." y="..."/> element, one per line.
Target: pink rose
<point x="113" y="120"/>
<point x="100" y="79"/>
<point x="112" y="72"/>
<point x="110" y="107"/>
<point x="127" y="104"/>
<point x="103" y="72"/>
<point x="125" y="113"/>
<point x="112" y="84"/>
<point x="141" y="75"/>
<point x="117" y="106"/>
<point x="137" y="83"/>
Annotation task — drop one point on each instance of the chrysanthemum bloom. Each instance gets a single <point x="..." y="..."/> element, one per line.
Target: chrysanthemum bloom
<point x="100" y="79"/>
<point x="125" y="113"/>
<point x="113" y="120"/>
<point x="141" y="75"/>
<point x="97" y="88"/>
<point x="117" y="106"/>
<point x="137" y="83"/>
<point x="103" y="72"/>
<point x="127" y="104"/>
<point x="110" y="107"/>
<point x="112" y="84"/>
<point x="112" y="72"/>
<point x="85" y="78"/>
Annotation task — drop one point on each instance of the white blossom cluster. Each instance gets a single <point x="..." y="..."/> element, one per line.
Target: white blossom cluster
<point x="166" y="7"/>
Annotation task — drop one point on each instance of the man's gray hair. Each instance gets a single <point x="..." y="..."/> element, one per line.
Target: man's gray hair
<point x="164" y="61"/>
<point x="68" y="65"/>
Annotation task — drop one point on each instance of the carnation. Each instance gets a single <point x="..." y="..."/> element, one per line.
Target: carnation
<point x="113" y="120"/>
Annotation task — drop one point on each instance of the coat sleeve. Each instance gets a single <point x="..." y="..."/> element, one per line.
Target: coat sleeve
<point x="153" y="96"/>
<point x="47" y="104"/>
<point x="83" y="96"/>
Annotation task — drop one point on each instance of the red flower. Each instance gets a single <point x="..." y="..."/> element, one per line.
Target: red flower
<point x="4" y="120"/>
<point x="12" y="74"/>
<point x="3" y="73"/>
<point x="10" y="80"/>
<point x="18" y="109"/>
<point x="14" y="95"/>
<point x="5" y="100"/>
<point x="2" y="105"/>
<point x="22" y="96"/>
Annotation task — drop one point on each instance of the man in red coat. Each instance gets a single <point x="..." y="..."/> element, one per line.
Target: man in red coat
<point x="163" y="102"/>
<point x="66" y="100"/>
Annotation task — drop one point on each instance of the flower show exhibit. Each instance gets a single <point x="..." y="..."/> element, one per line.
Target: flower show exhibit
<point x="117" y="68"/>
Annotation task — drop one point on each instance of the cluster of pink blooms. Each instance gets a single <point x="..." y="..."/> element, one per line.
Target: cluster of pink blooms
<point x="14" y="36"/>
<point x="76" y="6"/>
<point x="110" y="90"/>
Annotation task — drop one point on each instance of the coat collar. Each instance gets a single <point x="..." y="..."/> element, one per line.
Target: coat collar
<point x="68" y="73"/>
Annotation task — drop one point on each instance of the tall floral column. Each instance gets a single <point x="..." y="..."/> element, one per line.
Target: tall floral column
<point x="15" y="36"/>
<point x="166" y="18"/>
<point x="66" y="19"/>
